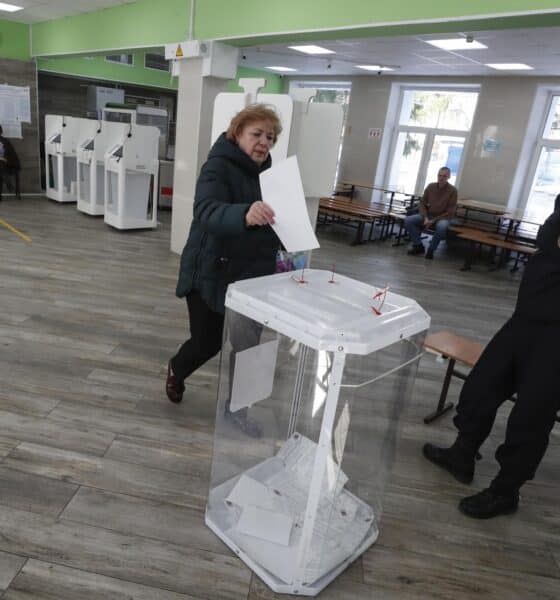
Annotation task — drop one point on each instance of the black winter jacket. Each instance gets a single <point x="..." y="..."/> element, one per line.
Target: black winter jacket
<point x="12" y="160"/>
<point x="220" y="248"/>
<point x="539" y="293"/>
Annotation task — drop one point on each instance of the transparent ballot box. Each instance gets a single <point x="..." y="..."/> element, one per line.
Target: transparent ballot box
<point x="314" y="375"/>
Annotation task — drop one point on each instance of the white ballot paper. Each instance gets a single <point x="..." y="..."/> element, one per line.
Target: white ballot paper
<point x="282" y="189"/>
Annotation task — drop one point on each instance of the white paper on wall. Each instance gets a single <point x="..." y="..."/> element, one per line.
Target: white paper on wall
<point x="253" y="377"/>
<point x="282" y="189"/>
<point x="11" y="130"/>
<point x="15" y="104"/>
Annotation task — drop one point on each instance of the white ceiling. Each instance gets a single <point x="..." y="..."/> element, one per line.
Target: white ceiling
<point x="45" y="10"/>
<point x="411" y="55"/>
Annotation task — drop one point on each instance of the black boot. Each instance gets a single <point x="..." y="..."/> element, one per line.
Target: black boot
<point x="457" y="460"/>
<point x="490" y="503"/>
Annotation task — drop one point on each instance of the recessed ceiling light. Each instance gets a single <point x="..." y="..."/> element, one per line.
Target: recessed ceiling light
<point x="510" y="66"/>
<point x="457" y="44"/>
<point x="10" y="7"/>
<point x="281" y="69"/>
<point x="374" y="68"/>
<point x="312" y="49"/>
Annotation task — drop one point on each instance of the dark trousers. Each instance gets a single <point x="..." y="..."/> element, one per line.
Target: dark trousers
<point x="522" y="359"/>
<point x="5" y="173"/>
<point x="206" y="337"/>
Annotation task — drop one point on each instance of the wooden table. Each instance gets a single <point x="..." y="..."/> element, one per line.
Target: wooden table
<point x="456" y="349"/>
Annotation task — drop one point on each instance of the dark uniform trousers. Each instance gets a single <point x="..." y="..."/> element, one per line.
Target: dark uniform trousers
<point x="523" y="358"/>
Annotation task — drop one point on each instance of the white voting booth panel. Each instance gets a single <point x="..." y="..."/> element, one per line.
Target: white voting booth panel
<point x="131" y="179"/>
<point x="61" y="138"/>
<point x="314" y="376"/>
<point x="96" y="137"/>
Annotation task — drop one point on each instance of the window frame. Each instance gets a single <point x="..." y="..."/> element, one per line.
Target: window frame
<point x="430" y="133"/>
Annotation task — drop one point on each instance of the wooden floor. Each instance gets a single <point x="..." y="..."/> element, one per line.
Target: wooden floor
<point x="103" y="481"/>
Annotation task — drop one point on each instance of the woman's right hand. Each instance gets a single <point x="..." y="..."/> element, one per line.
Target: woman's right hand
<point x="259" y="213"/>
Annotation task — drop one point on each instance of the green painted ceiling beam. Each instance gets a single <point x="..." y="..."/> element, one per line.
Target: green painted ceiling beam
<point x="140" y="24"/>
<point x="296" y="20"/>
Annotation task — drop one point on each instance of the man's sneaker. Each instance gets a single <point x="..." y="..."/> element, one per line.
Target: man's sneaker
<point x="489" y="503"/>
<point x="430" y="254"/>
<point x="416" y="250"/>
<point x="456" y="460"/>
<point x="173" y="387"/>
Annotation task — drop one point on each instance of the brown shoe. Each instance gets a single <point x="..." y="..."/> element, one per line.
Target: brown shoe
<point x="173" y="387"/>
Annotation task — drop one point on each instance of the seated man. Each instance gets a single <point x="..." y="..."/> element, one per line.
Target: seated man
<point x="521" y="359"/>
<point x="9" y="163"/>
<point x="435" y="211"/>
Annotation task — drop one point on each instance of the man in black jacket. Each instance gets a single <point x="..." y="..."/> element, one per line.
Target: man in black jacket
<point x="522" y="359"/>
<point x="9" y="163"/>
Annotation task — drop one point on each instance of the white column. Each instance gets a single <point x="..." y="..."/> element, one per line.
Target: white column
<point x="195" y="103"/>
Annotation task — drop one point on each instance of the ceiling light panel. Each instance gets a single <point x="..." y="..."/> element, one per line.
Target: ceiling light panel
<point x="510" y="66"/>
<point x="456" y="44"/>
<point x="9" y="7"/>
<point x="281" y="69"/>
<point x="312" y="49"/>
<point x="374" y="68"/>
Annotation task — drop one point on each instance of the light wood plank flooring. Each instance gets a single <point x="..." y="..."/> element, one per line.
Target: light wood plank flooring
<point x="103" y="481"/>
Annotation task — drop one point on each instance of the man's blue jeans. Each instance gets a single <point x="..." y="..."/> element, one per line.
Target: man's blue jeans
<point x="414" y="224"/>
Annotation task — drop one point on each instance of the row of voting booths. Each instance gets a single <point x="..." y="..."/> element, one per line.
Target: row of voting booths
<point x="107" y="168"/>
<point x="323" y="366"/>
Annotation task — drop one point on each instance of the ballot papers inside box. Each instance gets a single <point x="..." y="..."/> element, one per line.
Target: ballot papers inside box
<point x="314" y="375"/>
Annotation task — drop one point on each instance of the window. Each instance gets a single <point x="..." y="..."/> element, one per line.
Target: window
<point x="544" y="170"/>
<point x="121" y="59"/>
<point x="432" y="130"/>
<point x="156" y="61"/>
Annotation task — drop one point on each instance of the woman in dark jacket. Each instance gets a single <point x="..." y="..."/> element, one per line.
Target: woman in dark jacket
<point x="9" y="163"/>
<point x="230" y="236"/>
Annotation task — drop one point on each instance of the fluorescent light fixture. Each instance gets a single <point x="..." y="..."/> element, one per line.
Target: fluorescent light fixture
<point x="510" y="66"/>
<point x="457" y="44"/>
<point x="374" y="68"/>
<point x="10" y="7"/>
<point x="312" y="49"/>
<point x="281" y="69"/>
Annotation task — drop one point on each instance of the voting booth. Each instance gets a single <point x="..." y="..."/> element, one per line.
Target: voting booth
<point x="95" y="138"/>
<point x="131" y="179"/>
<point x="61" y="138"/>
<point x="316" y="370"/>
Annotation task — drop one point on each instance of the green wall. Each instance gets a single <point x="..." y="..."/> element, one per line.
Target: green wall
<point x="149" y="23"/>
<point x="14" y="40"/>
<point x="274" y="83"/>
<point x="257" y="20"/>
<point x="96" y="67"/>
<point x="144" y="23"/>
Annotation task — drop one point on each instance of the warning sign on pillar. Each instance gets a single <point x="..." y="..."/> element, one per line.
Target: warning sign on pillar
<point x="375" y="132"/>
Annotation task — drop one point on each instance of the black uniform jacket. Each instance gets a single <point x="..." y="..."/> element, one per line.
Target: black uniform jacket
<point x="539" y="293"/>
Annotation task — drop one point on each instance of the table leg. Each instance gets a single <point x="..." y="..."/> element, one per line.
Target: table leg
<point x="442" y="407"/>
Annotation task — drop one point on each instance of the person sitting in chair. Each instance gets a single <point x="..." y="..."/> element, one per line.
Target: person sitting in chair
<point x="9" y="164"/>
<point x="435" y="211"/>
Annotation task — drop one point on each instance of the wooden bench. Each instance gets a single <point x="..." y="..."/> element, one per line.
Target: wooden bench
<point x="494" y="241"/>
<point x="346" y="210"/>
<point x="455" y="349"/>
